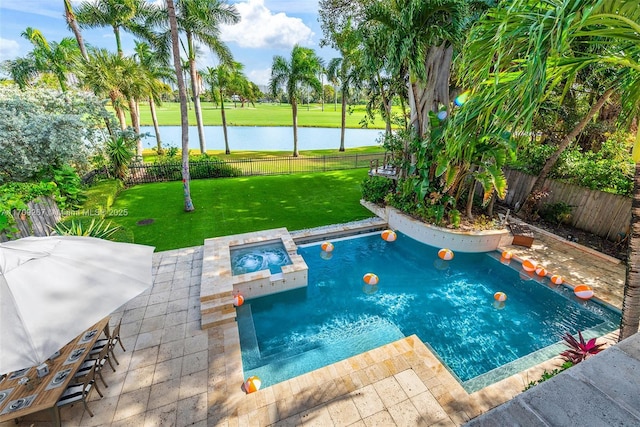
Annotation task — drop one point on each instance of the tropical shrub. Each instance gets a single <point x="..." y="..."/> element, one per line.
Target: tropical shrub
<point x="212" y="169"/>
<point x="579" y="350"/>
<point x="169" y="168"/>
<point x="100" y="229"/>
<point x="120" y="151"/>
<point x="608" y="167"/>
<point x="70" y="192"/>
<point x="44" y="128"/>
<point x="376" y="188"/>
<point x="558" y="213"/>
<point x="546" y="375"/>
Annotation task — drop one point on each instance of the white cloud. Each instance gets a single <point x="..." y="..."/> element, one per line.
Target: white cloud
<point x="260" y="77"/>
<point x="259" y="28"/>
<point x="9" y="49"/>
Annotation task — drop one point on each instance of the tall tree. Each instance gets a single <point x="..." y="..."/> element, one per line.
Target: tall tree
<point x="225" y="78"/>
<point x="23" y="71"/>
<point x="134" y="16"/>
<point x="420" y="38"/>
<point x="339" y="70"/>
<point x="292" y="75"/>
<point x="55" y="58"/>
<point x="70" y="16"/>
<point x="184" y="120"/>
<point x="156" y="67"/>
<point x="125" y="82"/>
<point x="200" y="21"/>
<point x="102" y="73"/>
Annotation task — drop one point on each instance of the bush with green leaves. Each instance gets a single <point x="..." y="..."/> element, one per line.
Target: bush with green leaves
<point x="120" y="151"/>
<point x="376" y="188"/>
<point x="546" y="375"/>
<point x="70" y="192"/>
<point x="557" y="213"/>
<point x="609" y="168"/>
<point x="100" y="229"/>
<point x="44" y="129"/>
<point x="168" y="168"/>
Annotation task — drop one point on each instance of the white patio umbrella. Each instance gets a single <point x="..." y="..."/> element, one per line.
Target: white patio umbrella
<point x="54" y="288"/>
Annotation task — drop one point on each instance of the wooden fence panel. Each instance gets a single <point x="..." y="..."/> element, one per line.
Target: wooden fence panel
<point x="41" y="215"/>
<point x="604" y="214"/>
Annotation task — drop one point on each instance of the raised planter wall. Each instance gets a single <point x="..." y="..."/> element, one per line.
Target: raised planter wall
<point x="439" y="237"/>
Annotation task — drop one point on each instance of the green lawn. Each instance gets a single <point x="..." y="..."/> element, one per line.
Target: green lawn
<point x="151" y="156"/>
<point x="260" y="115"/>
<point x="239" y="205"/>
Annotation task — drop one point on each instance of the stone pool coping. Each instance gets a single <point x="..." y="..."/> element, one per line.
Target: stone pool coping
<point x="401" y="383"/>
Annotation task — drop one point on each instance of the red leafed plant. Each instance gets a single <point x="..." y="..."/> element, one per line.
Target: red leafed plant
<point x="580" y="350"/>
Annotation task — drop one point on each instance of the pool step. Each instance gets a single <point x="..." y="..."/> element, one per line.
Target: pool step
<point x="292" y="362"/>
<point x="217" y="311"/>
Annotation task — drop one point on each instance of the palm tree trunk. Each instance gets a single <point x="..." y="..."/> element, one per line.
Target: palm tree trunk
<point x="322" y="91"/>
<point x="426" y="96"/>
<point x="121" y="118"/>
<point x="224" y="124"/>
<point x="294" y="111"/>
<point x="116" y="32"/>
<point x="195" y="90"/>
<point x="184" y="120"/>
<point x="156" y="127"/>
<point x="343" y="123"/>
<point x="529" y="204"/>
<point x="135" y="123"/>
<point x="631" y="301"/>
<point x="119" y="111"/>
<point x="387" y="106"/>
<point x="73" y="25"/>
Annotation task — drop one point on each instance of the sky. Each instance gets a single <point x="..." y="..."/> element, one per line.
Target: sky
<point x="267" y="28"/>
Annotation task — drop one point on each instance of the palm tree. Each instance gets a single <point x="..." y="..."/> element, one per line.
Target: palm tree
<point x="301" y="70"/>
<point x="156" y="68"/>
<point x="200" y="21"/>
<point x="225" y="77"/>
<point x="104" y="74"/>
<point x="344" y="70"/>
<point x="184" y="120"/>
<point x="22" y="70"/>
<point x="135" y="16"/>
<point x="558" y="38"/>
<point x="73" y="26"/>
<point x="55" y="58"/>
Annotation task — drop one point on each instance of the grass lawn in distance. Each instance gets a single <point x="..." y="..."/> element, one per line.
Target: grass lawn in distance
<point x="149" y="156"/>
<point x="239" y="205"/>
<point x="261" y="115"/>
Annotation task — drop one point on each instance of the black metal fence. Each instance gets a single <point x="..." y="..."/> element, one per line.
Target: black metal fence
<point x="201" y="169"/>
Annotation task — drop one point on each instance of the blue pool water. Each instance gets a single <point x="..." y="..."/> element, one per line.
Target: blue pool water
<point x="267" y="256"/>
<point x="449" y="305"/>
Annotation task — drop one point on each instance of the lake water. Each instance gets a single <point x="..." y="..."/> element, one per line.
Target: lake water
<point x="256" y="138"/>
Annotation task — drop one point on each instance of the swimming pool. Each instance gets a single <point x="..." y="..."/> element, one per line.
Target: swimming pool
<point x="449" y="305"/>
